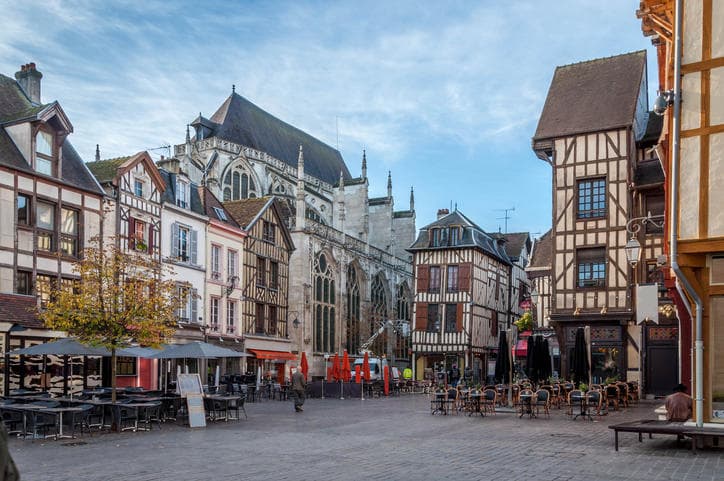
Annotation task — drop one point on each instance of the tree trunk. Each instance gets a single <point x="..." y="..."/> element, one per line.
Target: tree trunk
<point x="113" y="375"/>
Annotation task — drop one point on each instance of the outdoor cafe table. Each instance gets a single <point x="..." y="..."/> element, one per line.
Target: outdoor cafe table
<point x="581" y="399"/>
<point x="59" y="411"/>
<point x="473" y="403"/>
<point x="26" y="410"/>
<point x="439" y="402"/>
<point x="225" y="400"/>
<point x="141" y="409"/>
<point x="526" y="402"/>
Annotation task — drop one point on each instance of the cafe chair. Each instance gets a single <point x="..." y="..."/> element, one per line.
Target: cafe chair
<point x="594" y="400"/>
<point x="612" y="396"/>
<point x="574" y="397"/>
<point x="543" y="399"/>
<point x="489" y="399"/>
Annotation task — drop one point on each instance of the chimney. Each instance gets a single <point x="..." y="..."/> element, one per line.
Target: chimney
<point x="442" y="213"/>
<point x="29" y="80"/>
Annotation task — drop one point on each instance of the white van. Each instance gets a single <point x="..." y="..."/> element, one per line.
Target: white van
<point x="375" y="368"/>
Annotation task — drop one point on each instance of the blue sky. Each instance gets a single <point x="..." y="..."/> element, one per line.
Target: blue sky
<point x="446" y="95"/>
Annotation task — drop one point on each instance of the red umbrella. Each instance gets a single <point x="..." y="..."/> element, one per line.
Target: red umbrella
<point x="387" y="380"/>
<point x="346" y="370"/>
<point x="304" y="365"/>
<point x="280" y="374"/>
<point x="357" y="373"/>
<point x="335" y="367"/>
<point x="366" y="367"/>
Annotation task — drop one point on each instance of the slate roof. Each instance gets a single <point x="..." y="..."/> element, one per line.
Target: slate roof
<point x="242" y="122"/>
<point x="654" y="125"/>
<point x="105" y="170"/>
<point x="15" y="106"/>
<point x="473" y="236"/>
<point x="514" y="243"/>
<point x="542" y="256"/>
<point x="210" y="202"/>
<point x="169" y="195"/>
<point x="649" y="173"/>
<point x="19" y="309"/>
<point x="592" y="96"/>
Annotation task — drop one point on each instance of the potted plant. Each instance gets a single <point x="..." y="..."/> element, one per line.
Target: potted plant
<point x="583" y="387"/>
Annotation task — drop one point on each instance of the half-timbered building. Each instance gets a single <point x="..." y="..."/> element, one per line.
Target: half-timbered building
<point x="264" y="282"/>
<point x="593" y="133"/>
<point x="50" y="209"/>
<point x="539" y="275"/>
<point x="691" y="151"/>
<point x="461" y="297"/>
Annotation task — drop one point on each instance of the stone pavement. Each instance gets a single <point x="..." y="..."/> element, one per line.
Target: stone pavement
<point x="395" y="439"/>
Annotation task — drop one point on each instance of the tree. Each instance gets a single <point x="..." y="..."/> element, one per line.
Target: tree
<point x="120" y="297"/>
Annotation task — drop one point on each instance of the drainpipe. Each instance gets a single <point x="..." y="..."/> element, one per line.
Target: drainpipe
<point x="680" y="290"/>
<point x="676" y="157"/>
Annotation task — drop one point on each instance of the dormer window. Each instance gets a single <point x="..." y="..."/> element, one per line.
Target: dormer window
<point x="182" y="193"/>
<point x="44" y="152"/>
<point x="435" y="238"/>
<point x="454" y="236"/>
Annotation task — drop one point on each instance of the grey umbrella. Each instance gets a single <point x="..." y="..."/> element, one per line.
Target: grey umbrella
<point x="145" y="352"/>
<point x="579" y="363"/>
<point x="196" y="350"/>
<point x="62" y="347"/>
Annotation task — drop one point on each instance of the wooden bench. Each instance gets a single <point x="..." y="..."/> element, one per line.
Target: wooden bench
<point x="652" y="426"/>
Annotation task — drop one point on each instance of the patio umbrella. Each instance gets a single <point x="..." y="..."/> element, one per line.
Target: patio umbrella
<point x="579" y="362"/>
<point x="502" y="363"/>
<point x="366" y="367"/>
<point x="196" y="350"/>
<point x="304" y="365"/>
<point x="386" y="373"/>
<point x="145" y="352"/>
<point x="346" y="370"/>
<point x="546" y="369"/>
<point x="530" y="359"/>
<point x="62" y="347"/>
<point x="335" y="367"/>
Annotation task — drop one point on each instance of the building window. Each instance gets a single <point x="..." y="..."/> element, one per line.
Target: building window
<point x="182" y="193"/>
<point x="183" y="243"/>
<point x="189" y="302"/>
<point x="272" y="320"/>
<point x="46" y="226"/>
<point x="23" y="212"/>
<point x="379" y="312"/>
<point x="230" y="316"/>
<point x="138" y="187"/>
<point x="238" y="185"/>
<point x="403" y="303"/>
<point x="655" y="206"/>
<point x="435" y="238"/>
<point x="214" y="314"/>
<point x="434" y="279"/>
<point x="125" y="366"/>
<point x="220" y="213"/>
<point x="261" y="272"/>
<point x="69" y="232"/>
<point x="433" y="318"/>
<point x="273" y="275"/>
<point x="591" y="267"/>
<point x="268" y="232"/>
<point x="451" y="321"/>
<point x="452" y="278"/>
<point x="353" y="310"/>
<point x="44" y="153"/>
<point x="215" y="262"/>
<point x="259" y="325"/>
<point x="454" y="236"/>
<point x="324" y="308"/>
<point x="591" y="198"/>
<point x="23" y="283"/>
<point x="231" y="263"/>
<point x="44" y="288"/>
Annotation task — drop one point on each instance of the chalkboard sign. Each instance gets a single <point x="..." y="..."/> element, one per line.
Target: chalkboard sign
<point x="188" y="384"/>
<point x="197" y="414"/>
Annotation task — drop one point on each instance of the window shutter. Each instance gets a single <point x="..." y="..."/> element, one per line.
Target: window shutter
<point x="194" y="305"/>
<point x="464" y="277"/>
<point x="131" y="233"/>
<point x="459" y="318"/>
<point x="174" y="240"/>
<point x="423" y="279"/>
<point x="421" y="317"/>
<point x="193" y="246"/>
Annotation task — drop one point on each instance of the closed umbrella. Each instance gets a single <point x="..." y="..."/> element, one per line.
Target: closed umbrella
<point x="530" y="361"/>
<point x="346" y="370"/>
<point x="335" y="367"/>
<point x="546" y="369"/>
<point x="386" y="373"/>
<point x="304" y="364"/>
<point x="366" y="367"/>
<point x="579" y="362"/>
<point x="502" y="363"/>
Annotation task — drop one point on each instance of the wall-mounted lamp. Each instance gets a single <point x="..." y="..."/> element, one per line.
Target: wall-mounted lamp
<point x="663" y="101"/>
<point x="231" y="285"/>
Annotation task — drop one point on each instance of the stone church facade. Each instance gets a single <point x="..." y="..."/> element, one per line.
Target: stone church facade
<point x="349" y="272"/>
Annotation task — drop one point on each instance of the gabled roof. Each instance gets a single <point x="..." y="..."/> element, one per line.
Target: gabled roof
<point x="514" y="243"/>
<point x="108" y="171"/>
<point x="592" y="96"/>
<point x="169" y="194"/>
<point x="210" y="204"/>
<point x="19" y="309"/>
<point x="248" y="211"/>
<point x="542" y="256"/>
<point x="105" y="171"/>
<point x="242" y="122"/>
<point x="473" y="236"/>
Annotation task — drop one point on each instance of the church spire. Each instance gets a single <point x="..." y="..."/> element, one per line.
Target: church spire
<point x="389" y="184"/>
<point x="233" y="89"/>
<point x="341" y="180"/>
<point x="98" y="152"/>
<point x="412" y="198"/>
<point x="364" y="164"/>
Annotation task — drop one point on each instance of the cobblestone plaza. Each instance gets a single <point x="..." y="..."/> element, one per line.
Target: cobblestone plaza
<point x="394" y="438"/>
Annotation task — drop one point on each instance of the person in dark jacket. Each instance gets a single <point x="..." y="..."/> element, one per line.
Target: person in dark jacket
<point x="299" y="385"/>
<point x="8" y="470"/>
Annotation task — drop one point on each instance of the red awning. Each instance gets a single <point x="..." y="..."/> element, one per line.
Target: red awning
<point x="278" y="355"/>
<point x="521" y="348"/>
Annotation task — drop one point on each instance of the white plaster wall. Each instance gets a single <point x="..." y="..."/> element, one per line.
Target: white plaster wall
<point x="689" y="188"/>
<point x="47" y="190"/>
<point x="692" y="31"/>
<point x="716" y="182"/>
<point x="7" y="218"/>
<point x="68" y="196"/>
<point x="7" y="179"/>
<point x="6" y="280"/>
<point x="717" y="29"/>
<point x="691" y="105"/>
<point x="716" y="92"/>
<point x="20" y="134"/>
<point x="182" y="271"/>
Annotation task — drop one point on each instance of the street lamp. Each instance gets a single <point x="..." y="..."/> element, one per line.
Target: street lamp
<point x="633" y="251"/>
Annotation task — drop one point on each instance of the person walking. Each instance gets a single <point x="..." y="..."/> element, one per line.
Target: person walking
<point x="299" y="384"/>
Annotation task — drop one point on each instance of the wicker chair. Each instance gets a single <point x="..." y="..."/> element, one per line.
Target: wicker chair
<point x="489" y="399"/>
<point x="543" y="399"/>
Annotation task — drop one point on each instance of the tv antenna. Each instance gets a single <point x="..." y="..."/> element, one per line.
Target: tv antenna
<point x="166" y="147"/>
<point x="505" y="216"/>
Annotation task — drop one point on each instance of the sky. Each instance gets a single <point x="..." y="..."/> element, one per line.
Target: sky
<point x="444" y="95"/>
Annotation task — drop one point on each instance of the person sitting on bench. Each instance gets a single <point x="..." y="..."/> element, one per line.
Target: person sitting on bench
<point x="678" y="405"/>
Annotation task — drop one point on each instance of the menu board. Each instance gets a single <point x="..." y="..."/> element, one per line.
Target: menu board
<point x="197" y="414"/>
<point x="188" y="384"/>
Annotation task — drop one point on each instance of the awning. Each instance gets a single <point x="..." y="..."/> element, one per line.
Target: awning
<point x="279" y="355"/>
<point x="521" y="348"/>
